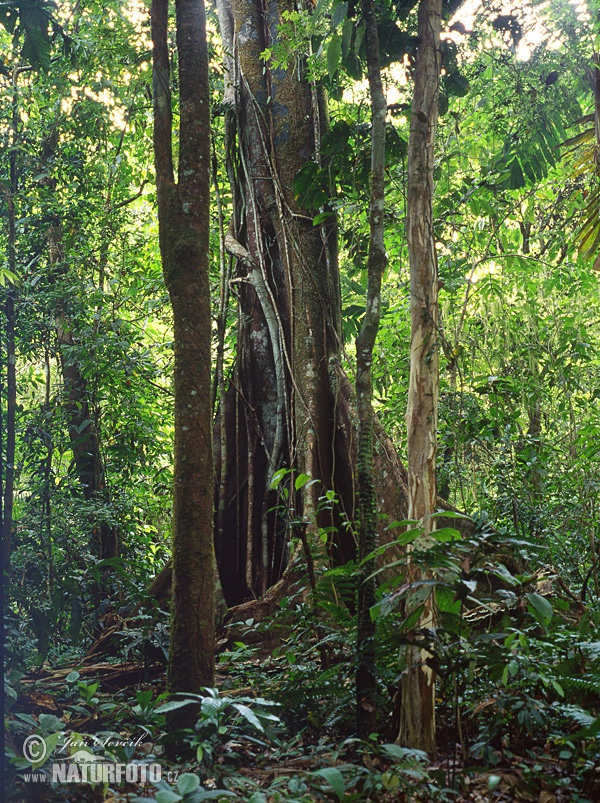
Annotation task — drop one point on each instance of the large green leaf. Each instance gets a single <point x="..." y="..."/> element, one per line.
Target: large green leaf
<point x="249" y="715"/>
<point x="334" y="54"/>
<point x="37" y="45"/>
<point x="541" y="608"/>
<point x="334" y="778"/>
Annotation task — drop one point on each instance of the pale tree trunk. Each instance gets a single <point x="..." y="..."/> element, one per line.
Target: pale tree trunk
<point x="365" y="672"/>
<point x="184" y="219"/>
<point x="417" y="715"/>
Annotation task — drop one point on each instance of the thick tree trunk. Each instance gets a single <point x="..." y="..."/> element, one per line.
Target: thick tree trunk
<point x="365" y="672"/>
<point x="417" y="716"/>
<point x="280" y="409"/>
<point x="184" y="220"/>
<point x="289" y="403"/>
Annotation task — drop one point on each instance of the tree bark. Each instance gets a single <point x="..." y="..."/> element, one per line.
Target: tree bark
<point x="280" y="408"/>
<point x="366" y="683"/>
<point x="289" y="403"/>
<point x="417" y="716"/>
<point x="9" y="311"/>
<point x="184" y="220"/>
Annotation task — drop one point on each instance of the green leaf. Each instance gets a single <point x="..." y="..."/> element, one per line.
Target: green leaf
<point x="8" y="17"/>
<point x="456" y="84"/>
<point x="517" y="179"/>
<point x="542" y="609"/>
<point x="319" y="9"/>
<point x="49" y="722"/>
<point x="394" y="525"/>
<point x="397" y="753"/>
<point x="334" y="55"/>
<point x="446" y="600"/>
<point x="188" y="782"/>
<point x="448" y="514"/>
<point x="36" y="47"/>
<point x="347" y="29"/>
<point x="7" y="276"/>
<point x="334" y="778"/>
<point x="502" y="572"/>
<point x="545" y="149"/>
<point x="323" y="217"/>
<point x="446" y="534"/>
<point x="249" y="715"/>
<point x="493" y="781"/>
<point x="279" y="475"/>
<point x="413" y="618"/>
<point x="360" y="35"/>
<point x="173" y="706"/>
<point x="167" y="797"/>
<point x="301" y="481"/>
<point x="340" y="12"/>
<point x="51" y="743"/>
<point x="527" y="165"/>
<point x="144" y="698"/>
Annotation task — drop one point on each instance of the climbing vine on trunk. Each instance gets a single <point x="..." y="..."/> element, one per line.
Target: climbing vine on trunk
<point x="365" y="675"/>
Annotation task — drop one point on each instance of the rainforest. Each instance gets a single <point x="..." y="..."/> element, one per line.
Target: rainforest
<point x="299" y="400"/>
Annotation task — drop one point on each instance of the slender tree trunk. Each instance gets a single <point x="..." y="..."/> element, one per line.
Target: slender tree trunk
<point x="85" y="440"/>
<point x="11" y="375"/>
<point x="417" y="716"/>
<point x="8" y="438"/>
<point x="365" y="674"/>
<point x="11" y="405"/>
<point x="184" y="220"/>
<point x="83" y="431"/>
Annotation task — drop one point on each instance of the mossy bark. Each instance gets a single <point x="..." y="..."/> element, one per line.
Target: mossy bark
<point x="366" y="683"/>
<point x="184" y="220"/>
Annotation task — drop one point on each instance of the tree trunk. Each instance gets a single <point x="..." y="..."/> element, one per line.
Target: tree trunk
<point x="365" y="672"/>
<point x="9" y="311"/>
<point x="289" y="404"/>
<point x="281" y="406"/>
<point x="417" y="716"/>
<point x="184" y="220"/>
<point x="80" y="414"/>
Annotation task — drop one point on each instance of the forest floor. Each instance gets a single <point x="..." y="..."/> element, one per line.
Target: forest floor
<point x="247" y="749"/>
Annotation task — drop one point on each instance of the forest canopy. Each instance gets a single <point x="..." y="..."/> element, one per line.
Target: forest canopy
<point x="299" y="371"/>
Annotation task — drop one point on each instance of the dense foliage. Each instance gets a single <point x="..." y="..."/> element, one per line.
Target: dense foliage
<point x="516" y="651"/>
